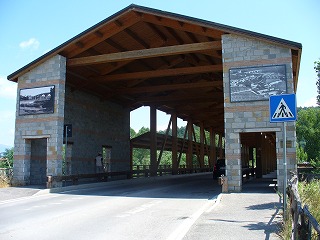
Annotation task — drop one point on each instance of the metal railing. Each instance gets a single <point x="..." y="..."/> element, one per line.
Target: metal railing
<point x="302" y="219"/>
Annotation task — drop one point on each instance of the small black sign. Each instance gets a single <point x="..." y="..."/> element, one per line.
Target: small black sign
<point x="67" y="127"/>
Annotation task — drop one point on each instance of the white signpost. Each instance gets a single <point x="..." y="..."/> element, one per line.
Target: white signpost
<point x="283" y="108"/>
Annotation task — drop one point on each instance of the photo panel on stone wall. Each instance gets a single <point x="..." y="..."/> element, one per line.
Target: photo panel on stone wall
<point x="39" y="100"/>
<point x="257" y="83"/>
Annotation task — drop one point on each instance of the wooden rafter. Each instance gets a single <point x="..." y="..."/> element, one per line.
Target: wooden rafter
<point x="107" y="32"/>
<point x="145" y="53"/>
<point x="188" y="27"/>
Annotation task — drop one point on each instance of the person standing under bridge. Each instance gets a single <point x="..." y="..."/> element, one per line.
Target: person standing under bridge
<point x="99" y="163"/>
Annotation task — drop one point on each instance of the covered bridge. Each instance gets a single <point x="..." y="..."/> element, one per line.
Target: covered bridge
<point x="212" y="75"/>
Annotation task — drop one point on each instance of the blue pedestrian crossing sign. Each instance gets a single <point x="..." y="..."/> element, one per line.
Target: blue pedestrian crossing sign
<point x="283" y="108"/>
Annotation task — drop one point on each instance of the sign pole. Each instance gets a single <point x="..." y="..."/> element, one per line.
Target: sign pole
<point x="285" y="169"/>
<point x="283" y="108"/>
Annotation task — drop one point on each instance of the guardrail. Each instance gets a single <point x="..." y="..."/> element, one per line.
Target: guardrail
<point x="136" y="172"/>
<point x="302" y="219"/>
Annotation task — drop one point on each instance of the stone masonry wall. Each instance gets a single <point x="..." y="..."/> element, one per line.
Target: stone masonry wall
<point x="97" y="123"/>
<point x="41" y="126"/>
<point x="238" y="51"/>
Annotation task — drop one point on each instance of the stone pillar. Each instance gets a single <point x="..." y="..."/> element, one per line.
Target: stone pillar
<point x="51" y="73"/>
<point x="246" y="115"/>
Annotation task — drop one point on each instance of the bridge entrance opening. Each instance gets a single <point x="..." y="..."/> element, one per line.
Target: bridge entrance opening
<point x="38" y="161"/>
<point x="258" y="153"/>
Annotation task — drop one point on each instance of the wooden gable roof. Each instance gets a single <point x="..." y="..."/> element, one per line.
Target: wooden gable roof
<point x="142" y="56"/>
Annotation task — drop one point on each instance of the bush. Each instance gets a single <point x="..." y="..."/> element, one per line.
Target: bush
<point x="316" y="166"/>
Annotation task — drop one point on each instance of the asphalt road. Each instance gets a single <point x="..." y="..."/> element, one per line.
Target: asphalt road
<point x="161" y="208"/>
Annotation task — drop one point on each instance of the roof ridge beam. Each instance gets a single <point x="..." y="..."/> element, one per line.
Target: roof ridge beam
<point x="145" y="53"/>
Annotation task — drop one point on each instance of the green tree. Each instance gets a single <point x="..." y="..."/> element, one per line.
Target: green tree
<point x="140" y="156"/>
<point x="308" y="130"/>
<point x="317" y="68"/>
<point x="132" y="133"/>
<point x="301" y="155"/>
<point x="8" y="154"/>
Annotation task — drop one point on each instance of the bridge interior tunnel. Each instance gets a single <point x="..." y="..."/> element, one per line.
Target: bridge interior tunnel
<point x="258" y="152"/>
<point x="140" y="58"/>
<point x="200" y="150"/>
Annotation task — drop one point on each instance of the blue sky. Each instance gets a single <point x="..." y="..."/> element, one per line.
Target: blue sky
<point x="31" y="28"/>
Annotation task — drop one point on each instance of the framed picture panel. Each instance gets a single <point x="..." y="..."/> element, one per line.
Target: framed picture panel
<point x="257" y="83"/>
<point x="39" y="100"/>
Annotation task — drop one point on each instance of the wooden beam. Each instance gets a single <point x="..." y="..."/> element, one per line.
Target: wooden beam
<point x="161" y="73"/>
<point x="169" y="87"/>
<point x="145" y="53"/>
<point x="184" y="98"/>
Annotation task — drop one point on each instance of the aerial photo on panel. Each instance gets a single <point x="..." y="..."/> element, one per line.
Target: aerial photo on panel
<point x="257" y="83"/>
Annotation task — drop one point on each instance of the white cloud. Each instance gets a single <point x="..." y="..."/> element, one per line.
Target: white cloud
<point x="311" y="102"/>
<point x="32" y="43"/>
<point x="7" y="89"/>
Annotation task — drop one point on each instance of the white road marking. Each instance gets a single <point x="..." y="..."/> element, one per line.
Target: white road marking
<point x="139" y="209"/>
<point x="184" y="227"/>
<point x="215" y="204"/>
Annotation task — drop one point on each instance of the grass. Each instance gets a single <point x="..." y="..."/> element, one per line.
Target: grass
<point x="3" y="184"/>
<point x="309" y="195"/>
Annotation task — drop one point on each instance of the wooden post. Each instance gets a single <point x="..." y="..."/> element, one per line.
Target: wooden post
<point x="190" y="143"/>
<point x="131" y="160"/>
<point x="153" y="141"/>
<point x="252" y="160"/>
<point x="213" y="154"/>
<point x="174" y="144"/>
<point x="258" y="156"/>
<point x="201" y="145"/>
<point x="220" y="147"/>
